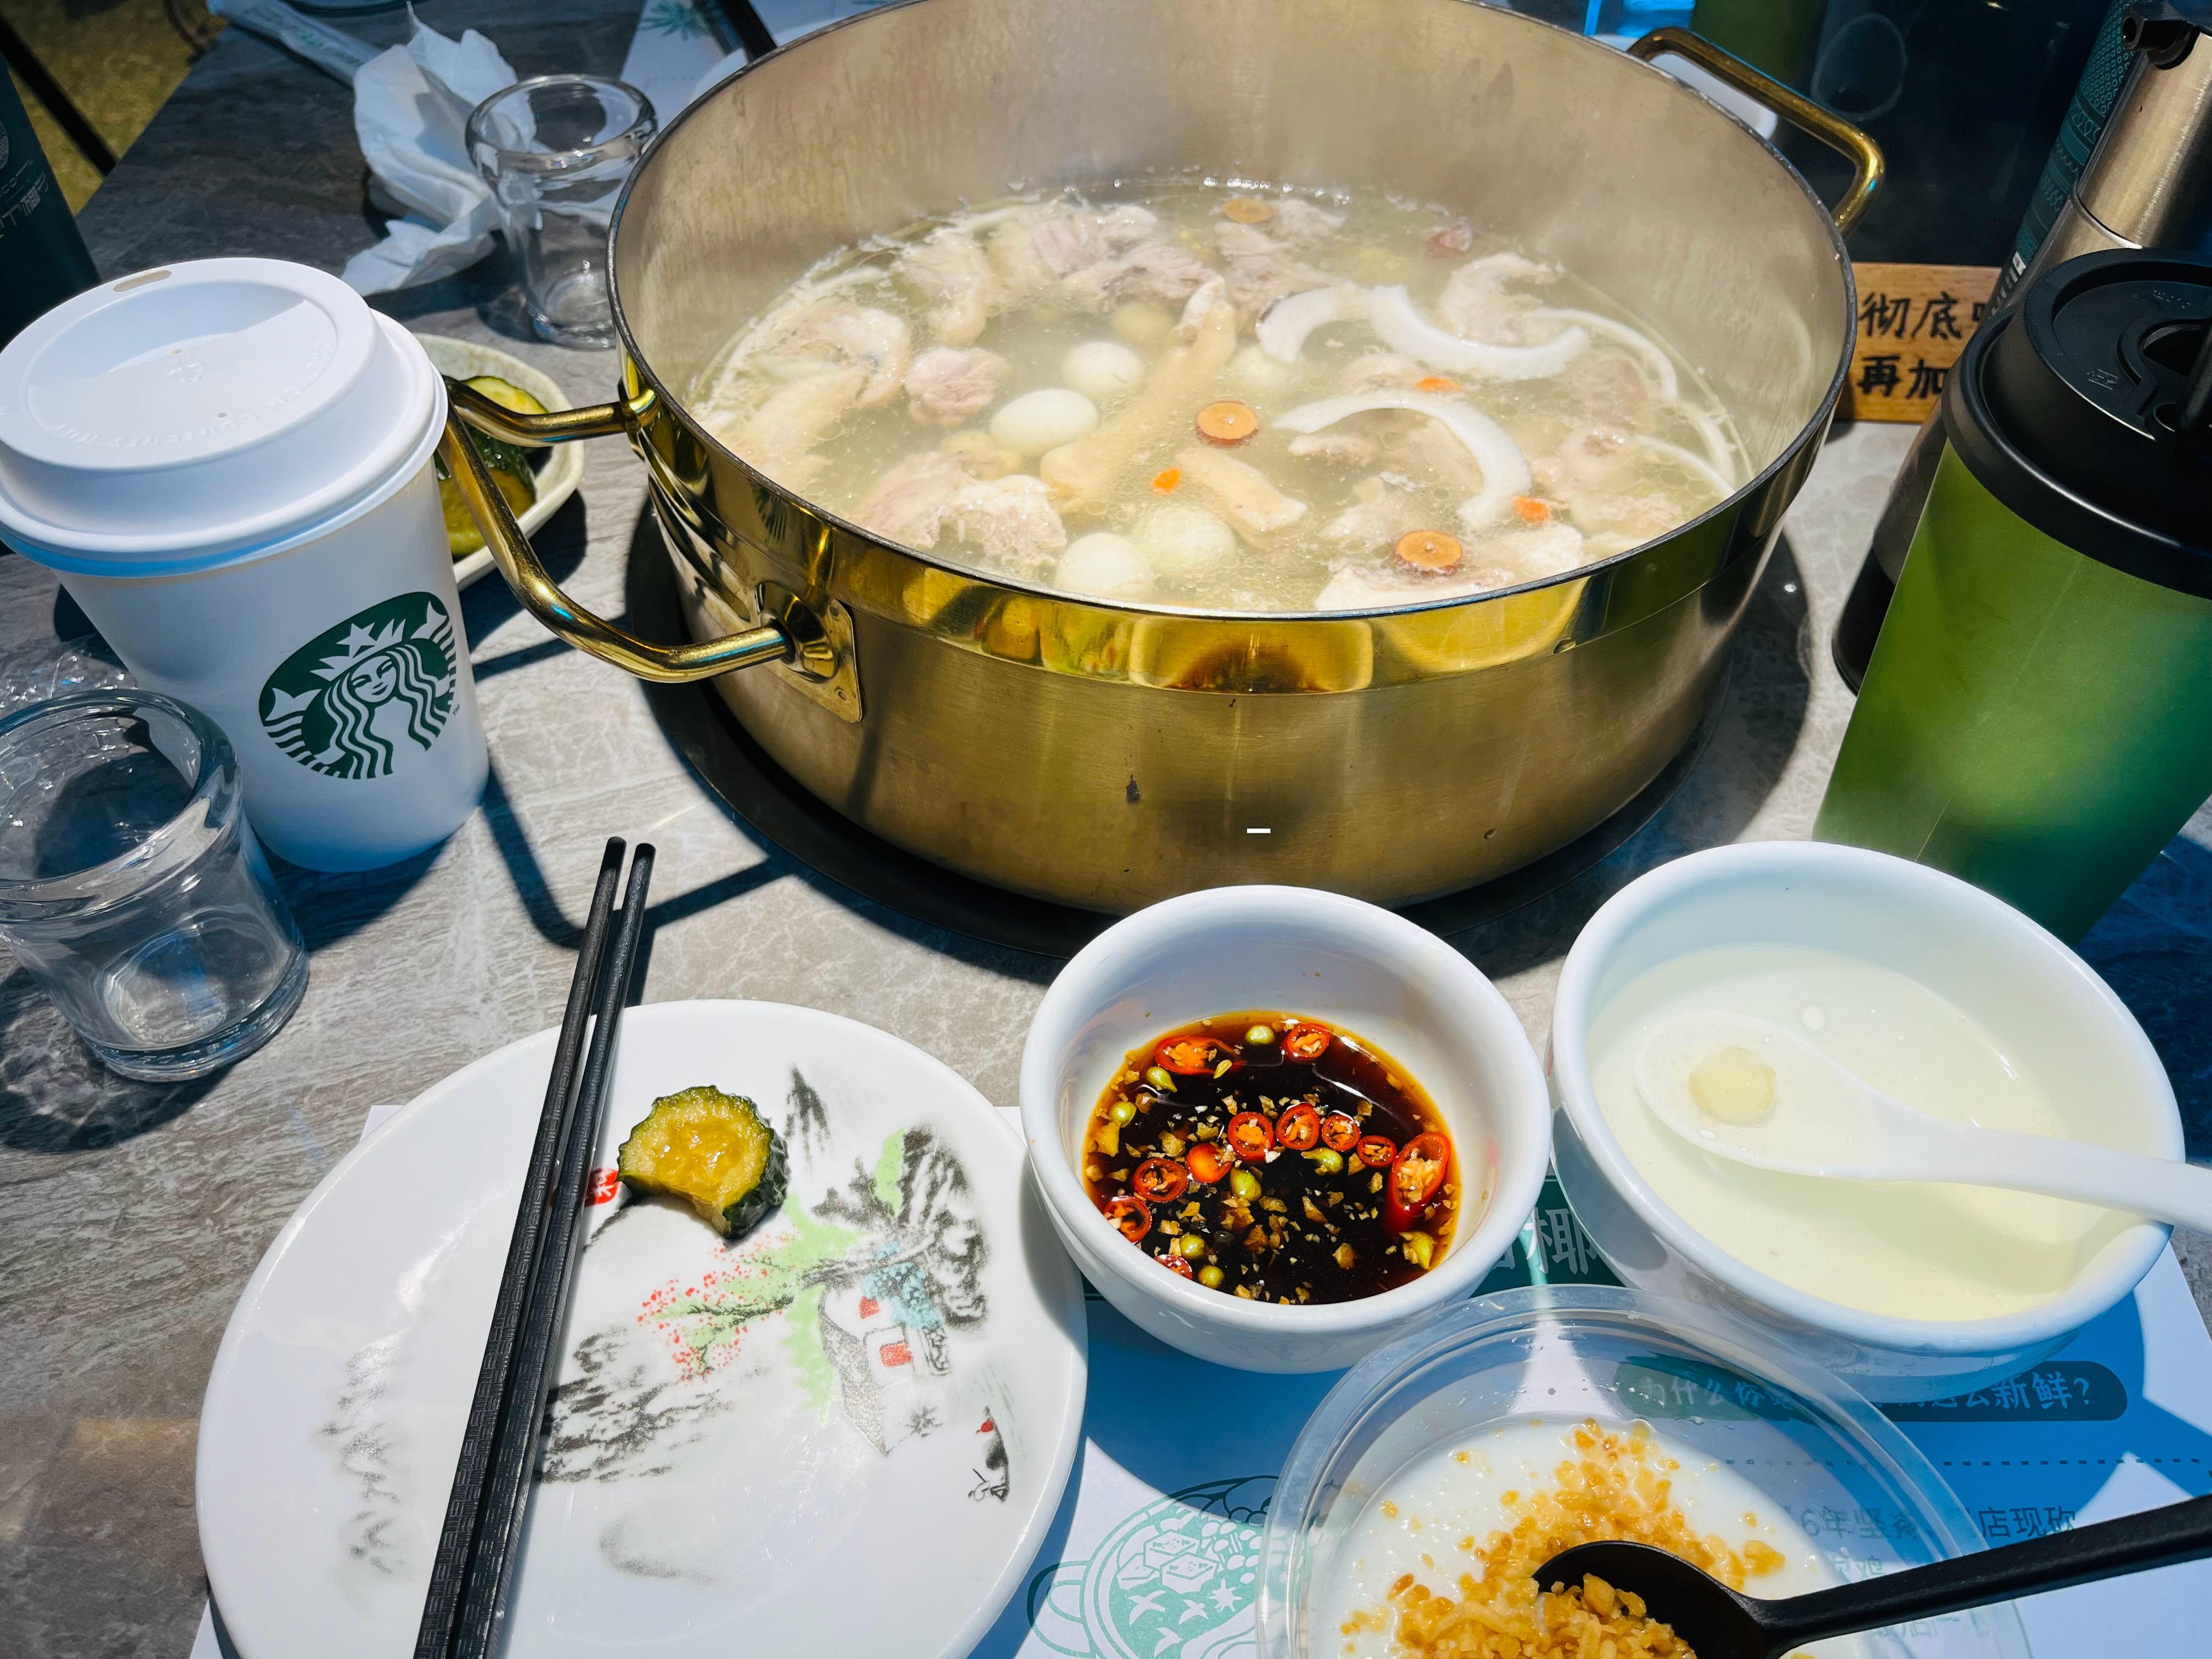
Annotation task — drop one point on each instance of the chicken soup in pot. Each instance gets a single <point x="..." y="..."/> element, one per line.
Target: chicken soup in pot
<point x="1232" y="399"/>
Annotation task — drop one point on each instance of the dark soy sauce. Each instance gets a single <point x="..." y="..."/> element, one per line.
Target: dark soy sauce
<point x="1260" y="1154"/>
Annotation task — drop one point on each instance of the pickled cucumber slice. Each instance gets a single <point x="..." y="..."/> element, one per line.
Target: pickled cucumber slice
<point x="714" y="1151"/>
<point x="509" y="464"/>
<point x="506" y="394"/>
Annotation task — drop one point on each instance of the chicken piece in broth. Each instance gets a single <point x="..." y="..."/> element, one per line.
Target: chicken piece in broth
<point x="779" y="435"/>
<point x="1264" y="247"/>
<point x="1009" y="523"/>
<point x="1477" y="305"/>
<point x="908" y="503"/>
<point x="1247" y="399"/>
<point x="1239" y="493"/>
<point x="948" y="273"/>
<point x="950" y="387"/>
<point x="1089" y="474"/>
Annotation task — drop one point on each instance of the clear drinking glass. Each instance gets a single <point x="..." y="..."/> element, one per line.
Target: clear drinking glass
<point x="131" y="888"/>
<point x="555" y="150"/>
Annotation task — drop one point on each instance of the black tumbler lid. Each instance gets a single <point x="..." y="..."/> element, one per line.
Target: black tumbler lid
<point x="2067" y="408"/>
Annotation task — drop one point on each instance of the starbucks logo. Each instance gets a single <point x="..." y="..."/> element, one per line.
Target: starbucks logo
<point x="359" y="697"/>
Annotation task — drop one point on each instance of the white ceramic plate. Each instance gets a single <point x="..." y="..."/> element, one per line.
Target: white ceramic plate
<point x="845" y="1435"/>
<point x="564" y="467"/>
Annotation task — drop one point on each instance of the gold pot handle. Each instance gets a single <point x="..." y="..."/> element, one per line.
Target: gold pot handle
<point x="517" y="561"/>
<point x="1792" y="106"/>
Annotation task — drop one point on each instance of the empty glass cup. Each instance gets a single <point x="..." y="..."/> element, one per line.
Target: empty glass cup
<point x="555" y="150"/>
<point x="131" y="888"/>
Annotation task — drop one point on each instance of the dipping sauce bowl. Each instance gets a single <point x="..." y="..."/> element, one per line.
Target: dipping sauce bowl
<point x="1361" y="969"/>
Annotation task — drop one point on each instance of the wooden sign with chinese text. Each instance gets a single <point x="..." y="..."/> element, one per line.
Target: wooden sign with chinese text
<point x="1913" y="322"/>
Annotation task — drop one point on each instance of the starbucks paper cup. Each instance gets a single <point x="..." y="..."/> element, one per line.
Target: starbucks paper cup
<point x="229" y="464"/>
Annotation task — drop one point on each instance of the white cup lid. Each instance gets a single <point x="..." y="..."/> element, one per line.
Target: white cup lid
<point x="203" y="411"/>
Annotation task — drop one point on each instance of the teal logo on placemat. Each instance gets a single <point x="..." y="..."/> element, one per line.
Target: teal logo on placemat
<point x="358" y="698"/>
<point x="1177" y="1578"/>
<point x="678" y="18"/>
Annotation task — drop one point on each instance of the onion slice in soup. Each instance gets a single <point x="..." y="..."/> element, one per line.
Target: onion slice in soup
<point x="1400" y="327"/>
<point x="1284" y="329"/>
<point x="1688" y="460"/>
<point x="1504" y="468"/>
<point x="1658" y="368"/>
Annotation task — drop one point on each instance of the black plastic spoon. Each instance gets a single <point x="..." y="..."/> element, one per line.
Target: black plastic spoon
<point x="1720" y="1623"/>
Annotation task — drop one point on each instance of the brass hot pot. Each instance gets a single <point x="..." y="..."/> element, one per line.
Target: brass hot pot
<point x="1107" y="755"/>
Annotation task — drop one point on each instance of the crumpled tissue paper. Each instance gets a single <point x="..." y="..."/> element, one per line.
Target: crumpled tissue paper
<point x="411" y="106"/>
<point x="410" y="109"/>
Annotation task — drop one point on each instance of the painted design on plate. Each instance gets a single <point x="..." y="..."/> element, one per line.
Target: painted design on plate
<point x="871" y="1281"/>
<point x="826" y="1341"/>
<point x="846" y="1309"/>
<point x="678" y="19"/>
<point x="360" y="1431"/>
<point x="1178" y="1578"/>
<point x="995" y="1478"/>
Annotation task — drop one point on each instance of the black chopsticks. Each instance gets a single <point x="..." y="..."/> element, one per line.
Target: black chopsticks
<point x="477" y="1545"/>
<point x="753" y="35"/>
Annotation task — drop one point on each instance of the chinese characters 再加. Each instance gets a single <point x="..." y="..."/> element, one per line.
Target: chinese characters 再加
<point x="1912" y="322"/>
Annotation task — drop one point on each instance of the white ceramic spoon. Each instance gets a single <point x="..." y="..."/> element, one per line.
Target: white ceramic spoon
<point x="1822" y="1119"/>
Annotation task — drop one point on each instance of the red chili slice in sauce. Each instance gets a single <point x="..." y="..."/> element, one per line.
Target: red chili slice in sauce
<point x="1307" y="1043"/>
<point x="1206" y="1163"/>
<point x="1340" y="1134"/>
<point x="1415" y="1175"/>
<point x="1250" y="1136"/>
<point x="1298" y="1129"/>
<point x="1175" y="1265"/>
<point x="1160" y="1179"/>
<point x="1375" y="1152"/>
<point x="1131" y="1214"/>
<point x="1195" y="1056"/>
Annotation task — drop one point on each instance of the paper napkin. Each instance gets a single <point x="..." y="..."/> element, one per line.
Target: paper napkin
<point x="411" y="106"/>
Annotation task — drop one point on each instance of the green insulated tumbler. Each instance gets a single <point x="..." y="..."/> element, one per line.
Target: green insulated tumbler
<point x="2037" y="715"/>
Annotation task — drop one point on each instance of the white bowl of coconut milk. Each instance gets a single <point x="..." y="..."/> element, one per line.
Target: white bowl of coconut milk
<point x="1936" y="993"/>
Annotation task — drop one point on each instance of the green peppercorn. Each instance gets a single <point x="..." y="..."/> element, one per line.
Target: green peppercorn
<point x="1326" y="1159"/>
<point x="1123" y="1111"/>
<point x="1190" y="1244"/>
<point x="1243" y="1183"/>
<point x="1160" y="1078"/>
<point x="1211" y="1278"/>
<point x="1261" y="1033"/>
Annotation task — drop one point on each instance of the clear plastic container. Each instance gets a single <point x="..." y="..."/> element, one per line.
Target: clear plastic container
<point x="1814" y="1448"/>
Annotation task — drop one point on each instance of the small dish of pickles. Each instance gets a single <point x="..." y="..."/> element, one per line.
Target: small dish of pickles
<point x="535" y="481"/>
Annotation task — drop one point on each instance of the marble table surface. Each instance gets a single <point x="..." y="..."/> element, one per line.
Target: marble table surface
<point x="134" y="1214"/>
